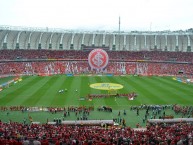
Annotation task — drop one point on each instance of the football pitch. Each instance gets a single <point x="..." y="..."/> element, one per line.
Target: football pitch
<point x="37" y="91"/>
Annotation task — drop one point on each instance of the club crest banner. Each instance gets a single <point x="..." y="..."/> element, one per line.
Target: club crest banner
<point x="98" y="59"/>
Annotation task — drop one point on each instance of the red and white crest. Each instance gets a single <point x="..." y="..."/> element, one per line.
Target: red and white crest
<point x="98" y="59"/>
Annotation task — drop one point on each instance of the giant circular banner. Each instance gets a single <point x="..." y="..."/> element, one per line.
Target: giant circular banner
<point x="106" y="86"/>
<point x="98" y="59"/>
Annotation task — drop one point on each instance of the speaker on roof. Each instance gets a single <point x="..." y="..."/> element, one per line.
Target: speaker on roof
<point x="61" y="46"/>
<point x="39" y="46"/>
<point x="71" y="46"/>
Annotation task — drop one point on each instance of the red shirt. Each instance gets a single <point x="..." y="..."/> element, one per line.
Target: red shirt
<point x="44" y="142"/>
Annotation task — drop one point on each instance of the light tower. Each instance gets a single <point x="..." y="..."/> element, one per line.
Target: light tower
<point x="119" y="31"/>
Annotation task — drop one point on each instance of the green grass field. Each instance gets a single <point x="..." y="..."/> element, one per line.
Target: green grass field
<point x="43" y="91"/>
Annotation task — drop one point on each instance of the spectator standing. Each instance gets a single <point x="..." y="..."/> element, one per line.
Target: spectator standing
<point x="26" y="141"/>
<point x="44" y="141"/>
<point x="36" y="141"/>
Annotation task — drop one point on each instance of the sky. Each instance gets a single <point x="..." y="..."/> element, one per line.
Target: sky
<point x="99" y="15"/>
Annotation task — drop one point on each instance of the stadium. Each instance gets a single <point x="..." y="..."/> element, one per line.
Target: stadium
<point x="143" y="90"/>
<point x="99" y="72"/>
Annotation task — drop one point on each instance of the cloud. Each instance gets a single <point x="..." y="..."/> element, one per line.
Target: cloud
<point x="98" y="14"/>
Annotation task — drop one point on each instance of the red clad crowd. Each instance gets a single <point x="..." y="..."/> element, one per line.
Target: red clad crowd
<point x="78" y="54"/>
<point x="155" y="134"/>
<point x="120" y="62"/>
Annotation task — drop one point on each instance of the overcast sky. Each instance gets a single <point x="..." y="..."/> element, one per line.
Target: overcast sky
<point x="139" y="15"/>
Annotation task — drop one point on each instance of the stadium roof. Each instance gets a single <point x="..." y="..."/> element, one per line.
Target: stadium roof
<point x="60" y="30"/>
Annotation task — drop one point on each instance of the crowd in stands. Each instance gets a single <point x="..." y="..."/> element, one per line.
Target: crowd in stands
<point x="74" y="61"/>
<point x="62" y="67"/>
<point x="82" y="67"/>
<point x="78" y="54"/>
<point x="155" y="134"/>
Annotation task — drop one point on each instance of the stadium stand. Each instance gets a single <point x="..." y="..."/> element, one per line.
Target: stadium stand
<point x="159" y="133"/>
<point x="33" y="62"/>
